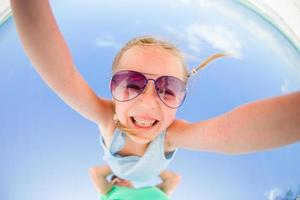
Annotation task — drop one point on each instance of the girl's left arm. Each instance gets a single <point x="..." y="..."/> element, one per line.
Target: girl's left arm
<point x="170" y="181"/>
<point x="256" y="126"/>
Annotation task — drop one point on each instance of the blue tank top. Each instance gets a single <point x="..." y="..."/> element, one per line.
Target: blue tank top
<point x="136" y="168"/>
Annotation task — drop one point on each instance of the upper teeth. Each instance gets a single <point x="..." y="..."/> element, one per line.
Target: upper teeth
<point x="143" y="122"/>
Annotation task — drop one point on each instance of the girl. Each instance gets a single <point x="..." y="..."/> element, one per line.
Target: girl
<point x="118" y="188"/>
<point x="138" y="127"/>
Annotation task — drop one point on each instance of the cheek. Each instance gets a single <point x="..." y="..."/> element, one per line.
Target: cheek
<point x="169" y="116"/>
<point x="171" y="113"/>
<point x="122" y="109"/>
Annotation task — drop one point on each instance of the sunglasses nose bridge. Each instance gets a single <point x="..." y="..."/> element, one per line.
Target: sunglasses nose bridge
<point x="150" y="92"/>
<point x="150" y="79"/>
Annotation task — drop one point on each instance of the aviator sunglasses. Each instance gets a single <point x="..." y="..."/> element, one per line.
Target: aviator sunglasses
<point x="126" y="85"/>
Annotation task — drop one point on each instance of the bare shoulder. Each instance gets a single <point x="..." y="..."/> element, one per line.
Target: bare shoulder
<point x="107" y="130"/>
<point x="106" y="111"/>
<point x="177" y="127"/>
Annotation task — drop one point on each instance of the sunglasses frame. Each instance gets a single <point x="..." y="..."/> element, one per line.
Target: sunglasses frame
<point x="147" y="80"/>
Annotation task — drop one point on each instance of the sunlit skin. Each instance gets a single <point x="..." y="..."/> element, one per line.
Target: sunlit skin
<point x="153" y="62"/>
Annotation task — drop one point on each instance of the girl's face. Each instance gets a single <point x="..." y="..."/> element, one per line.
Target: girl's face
<point x="146" y="113"/>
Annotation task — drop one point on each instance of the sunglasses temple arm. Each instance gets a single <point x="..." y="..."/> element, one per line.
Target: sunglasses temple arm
<point x="207" y="61"/>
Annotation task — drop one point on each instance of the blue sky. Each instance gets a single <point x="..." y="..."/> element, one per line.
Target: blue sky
<point x="47" y="148"/>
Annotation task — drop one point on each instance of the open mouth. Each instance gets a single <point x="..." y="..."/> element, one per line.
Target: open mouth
<point x="143" y="122"/>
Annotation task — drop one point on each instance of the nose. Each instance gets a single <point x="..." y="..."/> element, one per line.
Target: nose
<point x="149" y="96"/>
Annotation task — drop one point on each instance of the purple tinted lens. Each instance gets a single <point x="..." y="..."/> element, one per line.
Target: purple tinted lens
<point x="171" y="90"/>
<point x="126" y="85"/>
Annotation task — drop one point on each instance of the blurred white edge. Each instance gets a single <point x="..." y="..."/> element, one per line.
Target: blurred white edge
<point x="5" y="11"/>
<point x="284" y="15"/>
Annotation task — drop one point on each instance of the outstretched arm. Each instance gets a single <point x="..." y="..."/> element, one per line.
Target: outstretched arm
<point x="170" y="180"/>
<point x="256" y="126"/>
<point x="99" y="175"/>
<point x="49" y="54"/>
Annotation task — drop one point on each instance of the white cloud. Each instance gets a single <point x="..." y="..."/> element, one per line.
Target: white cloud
<point x="107" y="41"/>
<point x="186" y="2"/>
<point x="285" y="87"/>
<point x="274" y="194"/>
<point x="178" y="34"/>
<point x="200" y="3"/>
<point x="179" y="3"/>
<point x="207" y="3"/>
<point x="218" y="36"/>
<point x="225" y="39"/>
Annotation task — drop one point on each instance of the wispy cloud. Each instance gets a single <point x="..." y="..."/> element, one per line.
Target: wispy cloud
<point x="218" y="36"/>
<point x="107" y="41"/>
<point x="221" y="7"/>
<point x="208" y="3"/>
<point x="186" y="2"/>
<point x="226" y="39"/>
<point x="274" y="194"/>
<point x="179" y="3"/>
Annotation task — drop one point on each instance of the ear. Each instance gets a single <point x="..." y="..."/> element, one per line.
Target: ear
<point x="116" y="118"/>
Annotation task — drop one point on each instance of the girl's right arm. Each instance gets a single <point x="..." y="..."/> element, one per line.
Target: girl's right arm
<point x="98" y="175"/>
<point x="49" y="54"/>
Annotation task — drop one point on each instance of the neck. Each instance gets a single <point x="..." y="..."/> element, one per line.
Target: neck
<point x="135" y="144"/>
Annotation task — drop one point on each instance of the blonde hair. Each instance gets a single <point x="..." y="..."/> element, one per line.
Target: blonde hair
<point x="150" y="41"/>
<point x="128" y="131"/>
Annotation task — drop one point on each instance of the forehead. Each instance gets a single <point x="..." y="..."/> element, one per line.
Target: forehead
<point x="152" y="60"/>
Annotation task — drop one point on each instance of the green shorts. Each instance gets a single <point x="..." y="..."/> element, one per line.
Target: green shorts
<point x="125" y="193"/>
